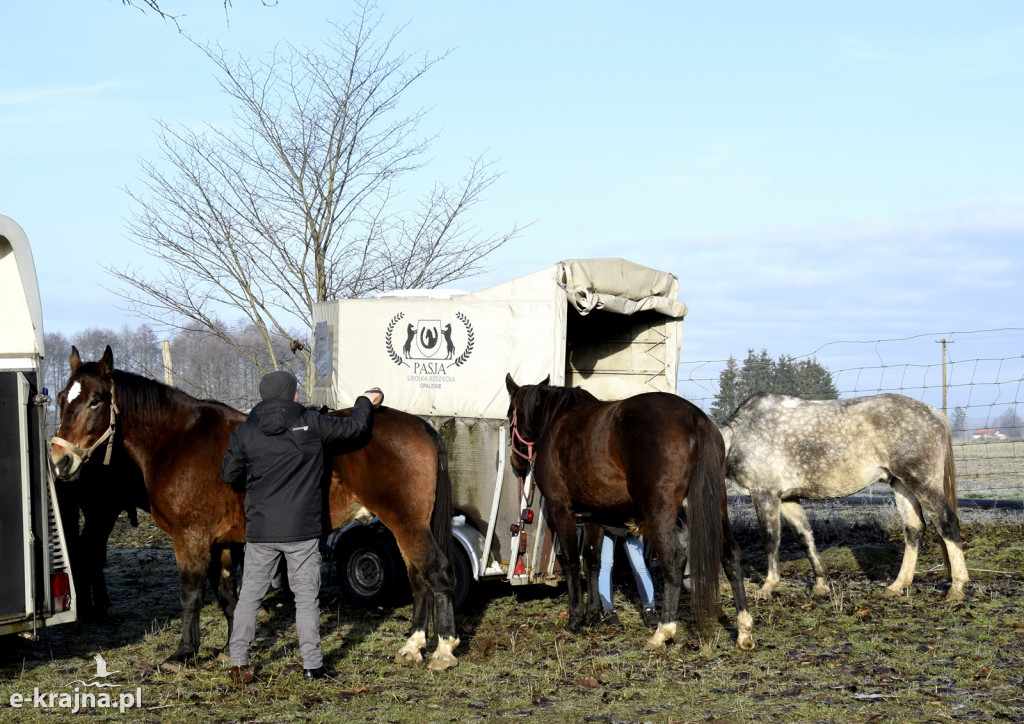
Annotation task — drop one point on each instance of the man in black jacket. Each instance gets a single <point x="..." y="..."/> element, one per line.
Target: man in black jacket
<point x="279" y="457"/>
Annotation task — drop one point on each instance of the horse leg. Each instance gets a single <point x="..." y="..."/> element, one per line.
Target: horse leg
<point x="193" y="562"/>
<point x="593" y="538"/>
<point x="947" y="524"/>
<point x="666" y="540"/>
<point x="913" y="533"/>
<point x="795" y="516"/>
<point x="431" y="579"/>
<point x="421" y="596"/>
<point x="221" y="575"/>
<point x="733" y="565"/>
<point x="766" y="506"/>
<point x="99" y="523"/>
<point x="563" y="523"/>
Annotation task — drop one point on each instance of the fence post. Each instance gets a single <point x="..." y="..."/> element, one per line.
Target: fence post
<point x="165" y="347"/>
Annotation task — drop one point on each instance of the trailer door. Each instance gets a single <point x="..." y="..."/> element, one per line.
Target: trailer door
<point x="15" y="497"/>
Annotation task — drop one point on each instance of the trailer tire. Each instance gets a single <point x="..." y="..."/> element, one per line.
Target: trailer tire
<point x="368" y="565"/>
<point x="463" y="574"/>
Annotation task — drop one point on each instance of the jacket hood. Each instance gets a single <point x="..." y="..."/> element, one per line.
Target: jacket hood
<point x="272" y="417"/>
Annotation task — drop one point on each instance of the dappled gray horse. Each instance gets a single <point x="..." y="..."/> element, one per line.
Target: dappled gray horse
<point x="780" y="449"/>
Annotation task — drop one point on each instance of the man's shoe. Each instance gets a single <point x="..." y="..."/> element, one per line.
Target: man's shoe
<point x="241" y="675"/>
<point x="320" y="673"/>
<point x="611" y="620"/>
<point x="651" y="617"/>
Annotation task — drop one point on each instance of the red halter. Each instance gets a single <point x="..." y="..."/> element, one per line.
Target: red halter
<point x="530" y="456"/>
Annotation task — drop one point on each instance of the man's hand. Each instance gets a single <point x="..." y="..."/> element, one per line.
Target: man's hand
<point x="375" y="396"/>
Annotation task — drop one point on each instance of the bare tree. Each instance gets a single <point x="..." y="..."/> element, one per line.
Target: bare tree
<point x="153" y="6"/>
<point x="299" y="202"/>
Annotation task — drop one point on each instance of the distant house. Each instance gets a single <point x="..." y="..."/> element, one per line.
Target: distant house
<point x="987" y="434"/>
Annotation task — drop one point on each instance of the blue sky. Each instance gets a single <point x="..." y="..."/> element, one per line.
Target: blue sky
<point x="812" y="172"/>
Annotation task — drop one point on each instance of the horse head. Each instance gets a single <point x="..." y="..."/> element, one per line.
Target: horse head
<point x="526" y="422"/>
<point x="87" y="414"/>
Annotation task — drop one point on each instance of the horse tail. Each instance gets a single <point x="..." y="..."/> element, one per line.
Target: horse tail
<point x="441" y="517"/>
<point x="704" y="520"/>
<point x="949" y="475"/>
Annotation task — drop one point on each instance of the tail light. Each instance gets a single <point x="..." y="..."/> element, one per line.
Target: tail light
<point x="60" y="587"/>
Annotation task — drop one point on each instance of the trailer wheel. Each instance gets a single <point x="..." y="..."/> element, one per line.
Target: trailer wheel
<point x="368" y="565"/>
<point x="463" y="574"/>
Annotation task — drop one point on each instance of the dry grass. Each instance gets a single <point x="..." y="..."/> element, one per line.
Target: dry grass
<point x="850" y="656"/>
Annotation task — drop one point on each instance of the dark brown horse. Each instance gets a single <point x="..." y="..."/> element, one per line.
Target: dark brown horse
<point x="631" y="462"/>
<point x="401" y="474"/>
<point x="99" y="496"/>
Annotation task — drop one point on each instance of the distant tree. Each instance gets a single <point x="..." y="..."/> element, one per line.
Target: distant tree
<point x="208" y="368"/>
<point x="958" y="422"/>
<point x="760" y="373"/>
<point x="302" y="199"/>
<point x="1010" y="424"/>
<point x="730" y="392"/>
<point x="135" y="350"/>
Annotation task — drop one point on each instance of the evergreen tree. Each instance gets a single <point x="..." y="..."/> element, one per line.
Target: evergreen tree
<point x="806" y="378"/>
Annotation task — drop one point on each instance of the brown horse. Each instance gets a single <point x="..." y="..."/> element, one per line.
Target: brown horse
<point x="632" y="461"/>
<point x="400" y="473"/>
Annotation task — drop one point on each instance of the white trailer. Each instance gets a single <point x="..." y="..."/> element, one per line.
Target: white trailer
<point x="37" y="588"/>
<point x="608" y="325"/>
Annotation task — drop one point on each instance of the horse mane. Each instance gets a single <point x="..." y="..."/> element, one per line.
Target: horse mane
<point x="747" y="399"/>
<point x="548" y="401"/>
<point x="142" y="398"/>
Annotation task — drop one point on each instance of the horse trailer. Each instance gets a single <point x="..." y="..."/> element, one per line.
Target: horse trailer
<point x="608" y="325"/>
<point x="37" y="588"/>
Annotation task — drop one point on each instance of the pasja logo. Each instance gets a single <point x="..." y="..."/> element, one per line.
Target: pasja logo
<point x="427" y="345"/>
<point x="93" y="696"/>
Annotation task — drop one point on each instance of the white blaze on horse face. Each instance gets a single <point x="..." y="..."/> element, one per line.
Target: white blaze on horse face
<point x="75" y="391"/>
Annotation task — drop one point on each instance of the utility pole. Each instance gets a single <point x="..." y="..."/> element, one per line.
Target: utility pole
<point x="165" y="347"/>
<point x="944" y="342"/>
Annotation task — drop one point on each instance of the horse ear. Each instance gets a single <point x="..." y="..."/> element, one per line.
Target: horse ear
<point x="546" y="380"/>
<point x="510" y="384"/>
<point x="75" y="360"/>
<point x="107" y="363"/>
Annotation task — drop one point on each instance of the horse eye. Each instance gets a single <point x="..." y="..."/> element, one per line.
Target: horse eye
<point x="94" y="403"/>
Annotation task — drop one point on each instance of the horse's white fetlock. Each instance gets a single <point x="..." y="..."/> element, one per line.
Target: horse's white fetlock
<point x="664" y="632"/>
<point x="745" y="624"/>
<point x="444" y="657"/>
<point x="411" y="650"/>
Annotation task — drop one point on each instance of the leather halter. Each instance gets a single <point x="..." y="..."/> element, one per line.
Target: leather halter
<point x="530" y="455"/>
<point x="107" y="437"/>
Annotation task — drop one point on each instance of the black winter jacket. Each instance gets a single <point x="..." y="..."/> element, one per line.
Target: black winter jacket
<point x="279" y="457"/>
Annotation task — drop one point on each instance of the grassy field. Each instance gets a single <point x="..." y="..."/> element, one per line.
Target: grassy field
<point x="852" y="656"/>
<point x="990" y="469"/>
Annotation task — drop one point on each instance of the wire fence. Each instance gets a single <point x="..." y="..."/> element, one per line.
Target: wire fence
<point x="976" y="377"/>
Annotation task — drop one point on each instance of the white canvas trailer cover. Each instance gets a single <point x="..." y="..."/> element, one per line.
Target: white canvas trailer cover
<point x="37" y="588"/>
<point x="610" y="326"/>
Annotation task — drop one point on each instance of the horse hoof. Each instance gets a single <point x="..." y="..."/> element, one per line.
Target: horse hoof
<point x="440" y="663"/>
<point x="172" y="666"/>
<point x="406" y="656"/>
<point x="763" y="595"/>
<point x="891" y="592"/>
<point x="745" y="643"/>
<point x="664" y="632"/>
<point x="955" y="595"/>
<point x="820" y="590"/>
